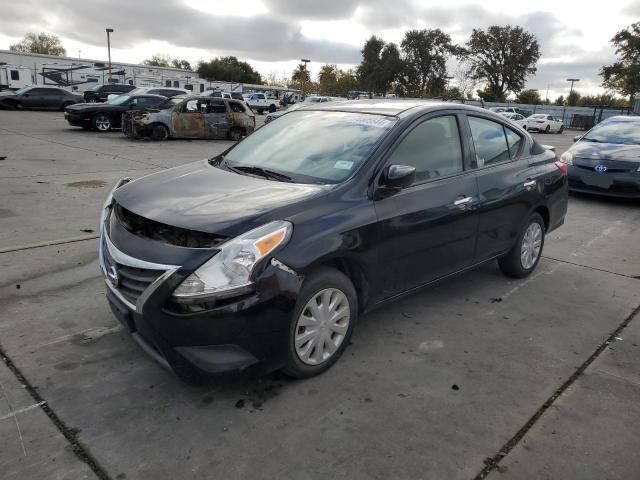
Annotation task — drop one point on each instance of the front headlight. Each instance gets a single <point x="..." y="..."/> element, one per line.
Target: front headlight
<point x="567" y="157"/>
<point x="228" y="273"/>
<point x="106" y="208"/>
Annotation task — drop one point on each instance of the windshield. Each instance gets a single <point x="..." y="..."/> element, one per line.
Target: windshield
<point x="626" y="133"/>
<point x="312" y="146"/>
<point x="23" y="89"/>
<point x="137" y="91"/>
<point x="119" y="100"/>
<point x="94" y="88"/>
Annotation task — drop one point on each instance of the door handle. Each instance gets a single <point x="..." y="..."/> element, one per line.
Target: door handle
<point x="530" y="183"/>
<point x="463" y="201"/>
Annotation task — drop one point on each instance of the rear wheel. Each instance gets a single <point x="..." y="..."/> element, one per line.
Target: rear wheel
<point x="18" y="106"/>
<point x="102" y="122"/>
<point x="235" y="134"/>
<point x="260" y="112"/>
<point x="272" y="108"/>
<point x="525" y="254"/>
<point x="548" y="129"/>
<point x="160" y="132"/>
<point x="561" y="129"/>
<point x="93" y="100"/>
<point x="322" y="323"/>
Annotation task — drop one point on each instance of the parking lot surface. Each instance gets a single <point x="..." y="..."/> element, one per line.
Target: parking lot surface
<point x="478" y="376"/>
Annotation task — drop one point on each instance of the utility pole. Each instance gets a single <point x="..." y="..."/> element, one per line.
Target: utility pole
<point x="305" y="61"/>
<point x="572" y="80"/>
<point x="109" y="30"/>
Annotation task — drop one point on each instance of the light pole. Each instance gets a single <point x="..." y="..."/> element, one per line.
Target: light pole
<point x="572" y="80"/>
<point x="109" y="30"/>
<point x="305" y="61"/>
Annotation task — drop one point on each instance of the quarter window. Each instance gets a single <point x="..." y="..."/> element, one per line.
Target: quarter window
<point x="490" y="141"/>
<point x="432" y="148"/>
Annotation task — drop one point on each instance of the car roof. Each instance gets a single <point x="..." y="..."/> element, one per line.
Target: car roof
<point x="623" y="118"/>
<point x="395" y="107"/>
<point x="148" y="95"/>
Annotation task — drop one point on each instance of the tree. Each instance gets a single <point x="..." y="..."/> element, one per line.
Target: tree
<point x="573" y="99"/>
<point x="158" y="60"/>
<point x="623" y="76"/>
<point x="502" y="57"/>
<point x="301" y="79"/>
<point x="328" y="79"/>
<point x="559" y="101"/>
<point x="181" y="64"/>
<point x="465" y="82"/>
<point x="228" y="69"/>
<point x="45" y="43"/>
<point x="425" y="54"/>
<point x="529" y="96"/>
<point x="380" y="66"/>
<point x="346" y="82"/>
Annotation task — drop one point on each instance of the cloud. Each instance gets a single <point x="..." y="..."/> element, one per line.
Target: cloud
<point x="632" y="9"/>
<point x="261" y="37"/>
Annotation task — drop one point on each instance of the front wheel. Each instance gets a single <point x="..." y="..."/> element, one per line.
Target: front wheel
<point x="322" y="323"/>
<point x="18" y="106"/>
<point x="561" y="129"/>
<point x="525" y="254"/>
<point x="102" y="122"/>
<point x="92" y="100"/>
<point x="272" y="108"/>
<point x="160" y="132"/>
<point x="548" y="129"/>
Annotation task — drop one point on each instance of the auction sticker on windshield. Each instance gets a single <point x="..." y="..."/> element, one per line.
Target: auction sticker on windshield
<point x="343" y="165"/>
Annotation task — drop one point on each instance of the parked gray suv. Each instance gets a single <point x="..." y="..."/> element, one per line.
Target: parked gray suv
<point x="42" y="98"/>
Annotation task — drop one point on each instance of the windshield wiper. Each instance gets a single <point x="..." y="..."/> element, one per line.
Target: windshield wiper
<point x="263" y="172"/>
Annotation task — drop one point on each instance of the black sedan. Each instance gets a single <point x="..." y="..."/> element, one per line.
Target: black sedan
<point x="263" y="257"/>
<point x="105" y="116"/>
<point x="39" y="98"/>
<point x="606" y="160"/>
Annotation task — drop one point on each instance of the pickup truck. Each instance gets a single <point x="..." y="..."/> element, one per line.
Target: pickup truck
<point x="259" y="102"/>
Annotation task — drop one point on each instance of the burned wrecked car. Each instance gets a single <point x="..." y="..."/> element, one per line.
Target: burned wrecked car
<point x="191" y="117"/>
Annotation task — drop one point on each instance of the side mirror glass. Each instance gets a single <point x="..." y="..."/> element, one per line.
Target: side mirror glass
<point x="577" y="137"/>
<point x="398" y="176"/>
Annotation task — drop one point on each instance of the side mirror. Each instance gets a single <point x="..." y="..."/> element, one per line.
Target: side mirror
<point x="576" y="138"/>
<point x="398" y="176"/>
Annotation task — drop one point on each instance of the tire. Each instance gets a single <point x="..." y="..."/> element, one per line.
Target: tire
<point x="101" y="122"/>
<point x="329" y="285"/>
<point x="272" y="108"/>
<point x="160" y="133"/>
<point x="260" y="112"/>
<point x="18" y="106"/>
<point x="92" y="100"/>
<point x="516" y="263"/>
<point x="561" y="129"/>
<point x="235" y="134"/>
<point x="548" y="129"/>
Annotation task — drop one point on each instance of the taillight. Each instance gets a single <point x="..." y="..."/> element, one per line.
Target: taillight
<point x="563" y="167"/>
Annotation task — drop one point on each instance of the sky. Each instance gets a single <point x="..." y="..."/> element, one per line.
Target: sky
<point x="273" y="35"/>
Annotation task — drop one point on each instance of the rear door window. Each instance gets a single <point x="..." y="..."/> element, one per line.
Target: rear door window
<point x="236" y="107"/>
<point x="490" y="142"/>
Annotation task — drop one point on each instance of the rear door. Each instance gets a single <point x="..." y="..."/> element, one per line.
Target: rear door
<point x="428" y="230"/>
<point x="508" y="186"/>
<point x="217" y="121"/>
<point x="35" y="98"/>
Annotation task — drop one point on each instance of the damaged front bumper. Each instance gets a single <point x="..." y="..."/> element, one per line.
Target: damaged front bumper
<point x="248" y="333"/>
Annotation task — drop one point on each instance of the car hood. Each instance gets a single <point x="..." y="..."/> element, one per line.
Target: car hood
<point x="201" y="197"/>
<point x="606" y="151"/>
<point x="4" y="95"/>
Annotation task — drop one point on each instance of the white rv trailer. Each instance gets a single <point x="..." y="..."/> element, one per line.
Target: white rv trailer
<point x="14" y="77"/>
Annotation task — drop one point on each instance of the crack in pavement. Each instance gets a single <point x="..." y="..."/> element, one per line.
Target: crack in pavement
<point x="635" y="277"/>
<point x="70" y="434"/>
<point x="491" y="463"/>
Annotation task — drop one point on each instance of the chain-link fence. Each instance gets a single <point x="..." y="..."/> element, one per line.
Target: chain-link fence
<point x="582" y="118"/>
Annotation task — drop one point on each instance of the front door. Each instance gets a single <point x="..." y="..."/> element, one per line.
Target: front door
<point x="507" y="184"/>
<point x="188" y="120"/>
<point x="428" y="230"/>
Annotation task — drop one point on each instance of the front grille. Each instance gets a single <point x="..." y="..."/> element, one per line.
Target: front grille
<point x="131" y="281"/>
<point x="181" y="237"/>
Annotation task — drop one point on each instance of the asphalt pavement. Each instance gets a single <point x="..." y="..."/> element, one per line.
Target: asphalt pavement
<point x="479" y="376"/>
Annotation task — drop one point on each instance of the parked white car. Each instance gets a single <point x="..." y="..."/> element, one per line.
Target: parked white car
<point x="544" y="123"/>
<point x="515" y="118"/>
<point x="259" y="102"/>
<point x="503" y="110"/>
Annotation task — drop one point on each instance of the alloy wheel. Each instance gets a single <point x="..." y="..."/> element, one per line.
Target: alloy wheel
<point x="322" y="326"/>
<point x="103" y="123"/>
<point x="531" y="244"/>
